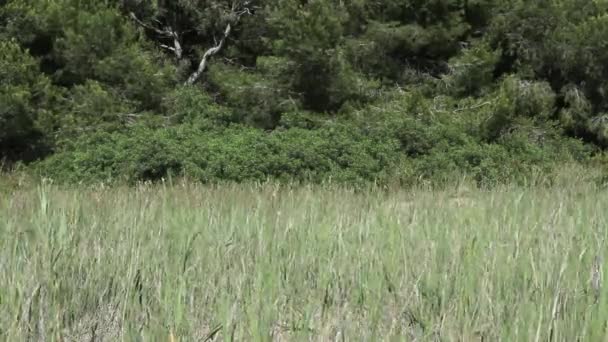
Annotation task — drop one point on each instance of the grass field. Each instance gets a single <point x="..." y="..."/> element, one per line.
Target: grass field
<point x="259" y="263"/>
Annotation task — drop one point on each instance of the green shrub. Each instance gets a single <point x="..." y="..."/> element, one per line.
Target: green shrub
<point x="472" y="71"/>
<point x="235" y="154"/>
<point x="446" y="138"/>
<point x="191" y="105"/>
<point x="411" y="148"/>
<point x="517" y="99"/>
<point x="257" y="98"/>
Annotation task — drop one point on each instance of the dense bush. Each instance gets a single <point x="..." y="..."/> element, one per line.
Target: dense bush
<point x="235" y="153"/>
<point x="404" y="144"/>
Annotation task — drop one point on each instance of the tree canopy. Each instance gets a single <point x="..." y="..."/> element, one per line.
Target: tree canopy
<point x="390" y="88"/>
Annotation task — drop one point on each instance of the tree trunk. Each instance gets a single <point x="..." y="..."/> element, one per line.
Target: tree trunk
<point x="212" y="51"/>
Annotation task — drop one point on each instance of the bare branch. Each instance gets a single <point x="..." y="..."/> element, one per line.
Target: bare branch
<point x="212" y="51"/>
<point x="144" y="25"/>
<point x="168" y="32"/>
<point x="167" y="47"/>
<point x="178" y="46"/>
<point x="218" y="45"/>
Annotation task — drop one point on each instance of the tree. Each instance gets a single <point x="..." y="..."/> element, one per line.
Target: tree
<point x="26" y="103"/>
<point x="184" y="27"/>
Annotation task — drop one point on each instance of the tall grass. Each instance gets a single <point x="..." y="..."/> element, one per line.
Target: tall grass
<point x="255" y="263"/>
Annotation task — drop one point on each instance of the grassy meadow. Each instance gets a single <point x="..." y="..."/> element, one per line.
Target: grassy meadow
<point x="192" y="262"/>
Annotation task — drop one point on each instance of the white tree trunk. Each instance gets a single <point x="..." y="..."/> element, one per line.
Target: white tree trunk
<point x="212" y="51"/>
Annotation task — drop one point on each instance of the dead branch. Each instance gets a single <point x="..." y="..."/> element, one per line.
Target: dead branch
<point x="210" y="52"/>
<point x="167" y="32"/>
<point x="237" y="12"/>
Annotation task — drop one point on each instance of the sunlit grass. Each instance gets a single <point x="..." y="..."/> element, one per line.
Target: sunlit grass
<point x="252" y="263"/>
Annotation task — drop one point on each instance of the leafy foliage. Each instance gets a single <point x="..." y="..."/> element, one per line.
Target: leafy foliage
<point x="356" y="91"/>
<point x="26" y="101"/>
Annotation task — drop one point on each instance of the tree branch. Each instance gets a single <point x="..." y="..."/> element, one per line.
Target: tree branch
<point x="214" y="50"/>
<point x="168" y="32"/>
